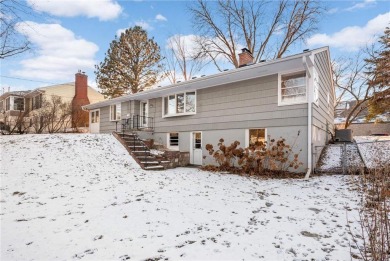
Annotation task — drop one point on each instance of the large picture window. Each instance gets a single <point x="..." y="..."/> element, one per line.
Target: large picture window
<point x="18" y="104"/>
<point x="179" y="104"/>
<point x="292" y="88"/>
<point x="115" y="112"/>
<point x="14" y="103"/>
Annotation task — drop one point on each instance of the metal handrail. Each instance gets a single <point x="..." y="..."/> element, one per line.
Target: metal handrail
<point x="138" y="122"/>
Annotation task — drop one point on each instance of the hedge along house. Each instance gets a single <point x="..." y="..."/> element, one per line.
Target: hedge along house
<point x="270" y="99"/>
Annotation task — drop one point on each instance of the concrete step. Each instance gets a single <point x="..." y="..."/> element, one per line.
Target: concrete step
<point x="150" y="162"/>
<point x="143" y="155"/>
<point x="158" y="167"/>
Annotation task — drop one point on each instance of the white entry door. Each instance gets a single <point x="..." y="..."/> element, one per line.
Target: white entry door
<point x="94" y="121"/>
<point x="196" y="157"/>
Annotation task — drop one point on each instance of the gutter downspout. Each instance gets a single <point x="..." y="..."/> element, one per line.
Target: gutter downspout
<point x="309" y="64"/>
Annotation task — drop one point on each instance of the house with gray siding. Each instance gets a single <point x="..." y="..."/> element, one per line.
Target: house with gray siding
<point x="290" y="97"/>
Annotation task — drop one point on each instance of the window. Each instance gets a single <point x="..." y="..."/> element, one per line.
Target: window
<point x="18" y="103"/>
<point x="14" y="103"/>
<point x="173" y="140"/>
<point x="292" y="88"/>
<point x="1" y="105"/>
<point x="94" y="116"/>
<point x="37" y="102"/>
<point x="256" y="135"/>
<point x="115" y="112"/>
<point x="179" y="104"/>
<point x="8" y="104"/>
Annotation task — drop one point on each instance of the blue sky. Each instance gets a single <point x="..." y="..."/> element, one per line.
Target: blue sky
<point x="69" y="35"/>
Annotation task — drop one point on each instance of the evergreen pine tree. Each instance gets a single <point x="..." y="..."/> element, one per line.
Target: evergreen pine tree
<point x="132" y="63"/>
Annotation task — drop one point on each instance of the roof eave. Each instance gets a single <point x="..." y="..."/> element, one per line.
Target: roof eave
<point x="244" y="73"/>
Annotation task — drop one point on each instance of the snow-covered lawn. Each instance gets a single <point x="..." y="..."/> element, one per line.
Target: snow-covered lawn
<point x="83" y="197"/>
<point x="375" y="150"/>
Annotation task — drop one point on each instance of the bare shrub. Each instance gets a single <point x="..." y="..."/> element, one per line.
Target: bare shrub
<point x="259" y="158"/>
<point x="373" y="239"/>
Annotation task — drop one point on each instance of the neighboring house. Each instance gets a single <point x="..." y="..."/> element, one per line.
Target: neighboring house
<point x="17" y="106"/>
<point x="270" y="99"/>
<point x="344" y="108"/>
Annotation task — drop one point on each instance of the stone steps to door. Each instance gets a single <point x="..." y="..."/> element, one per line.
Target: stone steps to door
<point x="141" y="152"/>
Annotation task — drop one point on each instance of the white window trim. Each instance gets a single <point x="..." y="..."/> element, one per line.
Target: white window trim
<point x="280" y="103"/>
<point x="116" y="108"/>
<point x="185" y="105"/>
<point x="169" y="141"/>
<point x="92" y="118"/>
<point x="147" y="108"/>
<point x="12" y="103"/>
<point x="328" y="102"/>
<point x="254" y="128"/>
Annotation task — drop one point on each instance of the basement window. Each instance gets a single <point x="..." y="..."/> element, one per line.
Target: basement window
<point x="292" y="88"/>
<point x="179" y="104"/>
<point x="254" y="136"/>
<point x="173" y="140"/>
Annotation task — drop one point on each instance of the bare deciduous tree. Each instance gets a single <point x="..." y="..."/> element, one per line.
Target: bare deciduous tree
<point x="58" y="114"/>
<point x="351" y="85"/>
<point x="182" y="59"/>
<point x="54" y="115"/>
<point x="267" y="29"/>
<point x="16" y="124"/>
<point x="12" y="43"/>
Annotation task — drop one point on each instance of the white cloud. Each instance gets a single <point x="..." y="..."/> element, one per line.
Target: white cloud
<point x="103" y="9"/>
<point x="351" y="38"/>
<point x="144" y="25"/>
<point x="187" y="41"/>
<point x="162" y="18"/>
<point x="120" y="31"/>
<point x="364" y="4"/>
<point x="60" y="52"/>
<point x="333" y="10"/>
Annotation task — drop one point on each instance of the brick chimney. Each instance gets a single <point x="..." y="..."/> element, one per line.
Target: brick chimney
<point x="245" y="58"/>
<point x="81" y="87"/>
<point x="80" y="118"/>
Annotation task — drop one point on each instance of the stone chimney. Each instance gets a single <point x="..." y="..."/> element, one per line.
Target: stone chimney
<point x="79" y="117"/>
<point x="245" y="58"/>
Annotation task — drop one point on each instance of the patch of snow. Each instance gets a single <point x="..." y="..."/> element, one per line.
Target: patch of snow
<point x="72" y="196"/>
<point x="354" y="161"/>
<point x="339" y="120"/>
<point x="156" y="152"/>
<point x="331" y="159"/>
<point x="375" y="150"/>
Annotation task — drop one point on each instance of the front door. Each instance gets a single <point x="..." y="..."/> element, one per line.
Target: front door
<point x="144" y="114"/>
<point x="94" y="121"/>
<point x="196" y="157"/>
